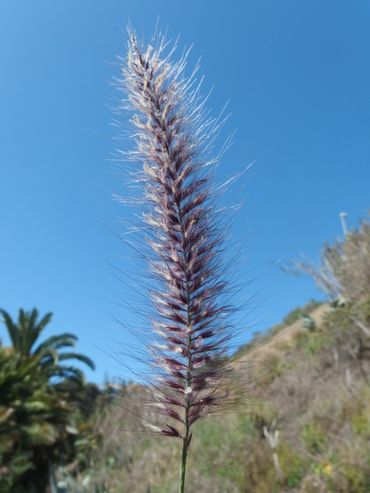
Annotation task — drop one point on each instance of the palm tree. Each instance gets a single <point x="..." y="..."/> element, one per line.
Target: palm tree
<point x="34" y="424"/>
<point x="40" y="396"/>
<point x="24" y="335"/>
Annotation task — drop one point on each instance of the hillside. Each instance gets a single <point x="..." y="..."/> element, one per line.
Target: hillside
<point x="272" y="341"/>
<point x="309" y="387"/>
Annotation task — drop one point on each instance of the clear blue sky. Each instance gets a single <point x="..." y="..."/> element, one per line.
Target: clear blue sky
<point x="297" y="74"/>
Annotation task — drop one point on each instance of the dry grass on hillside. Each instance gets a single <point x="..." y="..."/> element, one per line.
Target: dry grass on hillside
<point x="311" y="388"/>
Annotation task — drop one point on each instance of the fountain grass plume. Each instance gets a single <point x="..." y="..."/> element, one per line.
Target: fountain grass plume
<point x="191" y="331"/>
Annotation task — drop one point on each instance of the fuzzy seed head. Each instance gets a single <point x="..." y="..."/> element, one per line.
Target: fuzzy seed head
<point x="171" y="139"/>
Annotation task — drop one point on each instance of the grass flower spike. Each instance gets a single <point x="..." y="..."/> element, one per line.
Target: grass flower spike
<point x="190" y="332"/>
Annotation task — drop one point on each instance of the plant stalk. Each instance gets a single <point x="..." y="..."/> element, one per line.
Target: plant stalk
<point x="185" y="446"/>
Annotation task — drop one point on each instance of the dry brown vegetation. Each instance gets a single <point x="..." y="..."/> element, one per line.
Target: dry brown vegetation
<point x="311" y="386"/>
<point x="344" y="267"/>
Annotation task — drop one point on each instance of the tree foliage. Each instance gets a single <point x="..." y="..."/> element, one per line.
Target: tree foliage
<point x="24" y="335"/>
<point x="37" y="404"/>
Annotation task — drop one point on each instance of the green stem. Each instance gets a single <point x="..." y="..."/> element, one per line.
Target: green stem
<point x="185" y="446"/>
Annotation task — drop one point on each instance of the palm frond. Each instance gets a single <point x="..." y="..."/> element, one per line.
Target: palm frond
<point x="11" y="327"/>
<point x="57" y="342"/>
<point x="77" y="356"/>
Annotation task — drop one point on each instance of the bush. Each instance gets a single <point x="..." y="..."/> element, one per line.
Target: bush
<point x="344" y="267"/>
<point x="314" y="437"/>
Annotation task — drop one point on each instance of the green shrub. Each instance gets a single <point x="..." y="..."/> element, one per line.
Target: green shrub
<point x="297" y="313"/>
<point x="357" y="480"/>
<point x="314" y="438"/>
<point x="292" y="465"/>
<point x="316" y="342"/>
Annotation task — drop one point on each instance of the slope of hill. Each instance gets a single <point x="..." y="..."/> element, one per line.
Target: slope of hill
<point x="271" y="341"/>
<point x="303" y="428"/>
